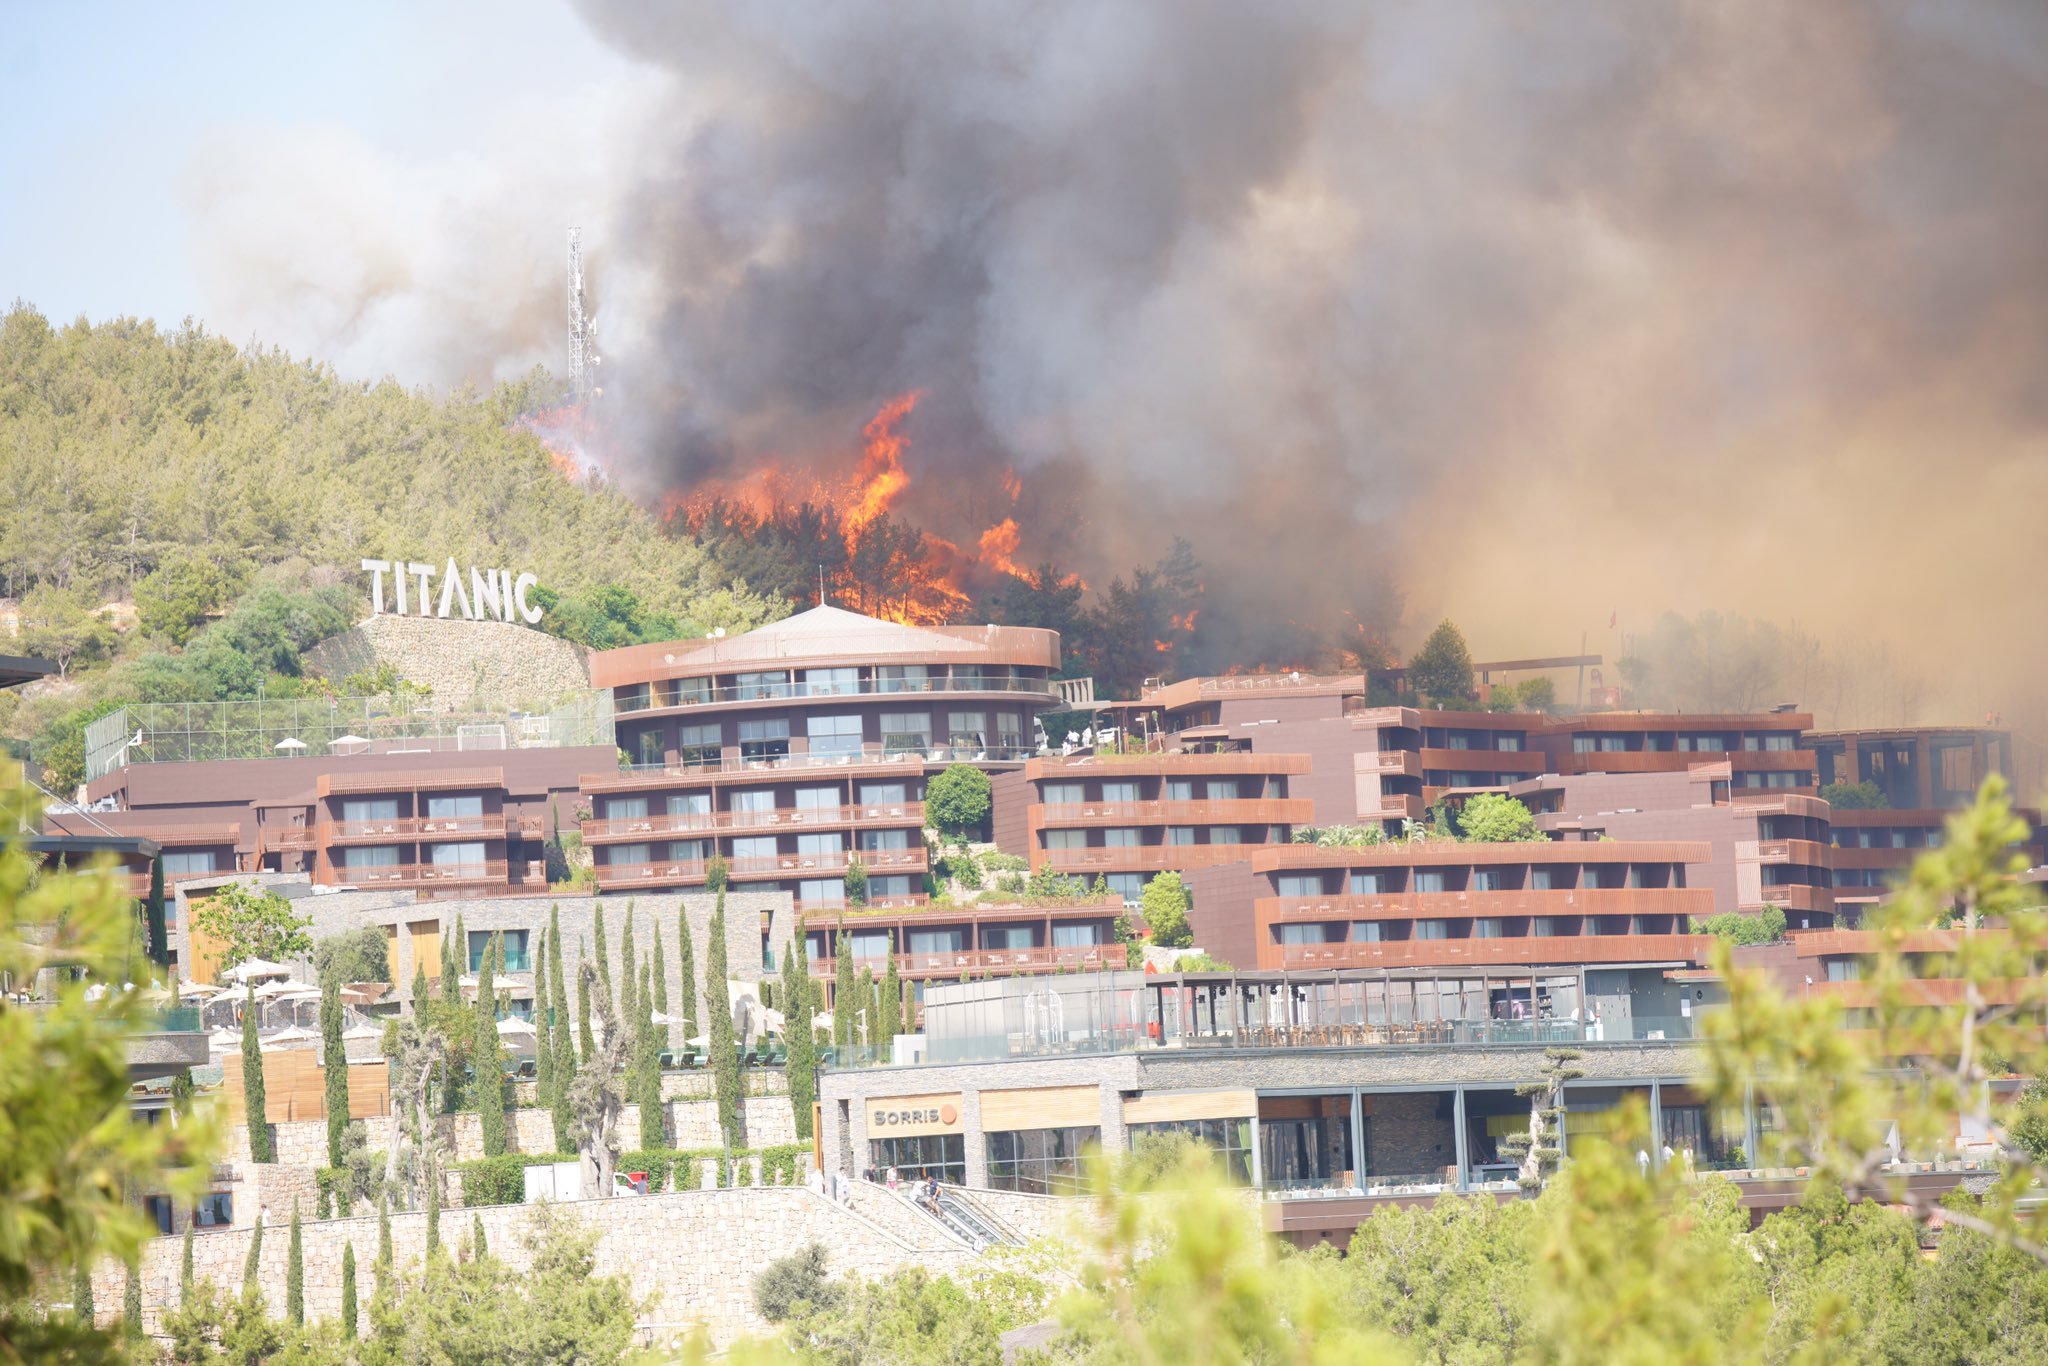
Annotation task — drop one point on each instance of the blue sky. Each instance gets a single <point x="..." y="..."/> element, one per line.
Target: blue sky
<point x="106" y="105"/>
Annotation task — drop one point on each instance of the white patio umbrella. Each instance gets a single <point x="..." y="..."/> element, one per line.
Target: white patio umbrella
<point x="362" y="1031"/>
<point x="822" y="1020"/>
<point x="701" y="1041"/>
<point x="340" y="740"/>
<point x="287" y="987"/>
<point x="292" y="1034"/>
<point x="289" y="744"/>
<point x="255" y="970"/>
<point x="512" y="1024"/>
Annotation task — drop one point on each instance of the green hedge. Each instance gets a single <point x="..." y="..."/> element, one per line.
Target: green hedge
<point x="502" y="1180"/>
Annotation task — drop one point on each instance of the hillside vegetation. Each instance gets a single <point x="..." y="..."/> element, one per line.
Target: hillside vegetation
<point x="230" y="495"/>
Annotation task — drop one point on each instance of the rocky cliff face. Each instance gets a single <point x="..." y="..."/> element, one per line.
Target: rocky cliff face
<point x="481" y="663"/>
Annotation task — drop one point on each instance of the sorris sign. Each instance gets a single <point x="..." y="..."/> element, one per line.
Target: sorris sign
<point x="490" y="593"/>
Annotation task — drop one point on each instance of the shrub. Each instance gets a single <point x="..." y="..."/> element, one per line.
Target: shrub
<point x="1491" y="818"/>
<point x="656" y="1162"/>
<point x="1854" y="796"/>
<point x="789" y="1160"/>
<point x="793" y="1281"/>
<point x="957" y="800"/>
<point x="499" y="1180"/>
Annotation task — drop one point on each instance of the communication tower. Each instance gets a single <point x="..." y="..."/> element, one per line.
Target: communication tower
<point x="583" y="358"/>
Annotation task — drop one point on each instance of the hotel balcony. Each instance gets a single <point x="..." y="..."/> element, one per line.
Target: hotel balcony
<point x="869" y="761"/>
<point x="1594" y="901"/>
<point x="1570" y="949"/>
<point x="430" y="829"/>
<point x="423" y="875"/>
<point x="1240" y="811"/>
<point x="684" y="698"/>
<point x="626" y="829"/>
<point x="768" y="868"/>
<point x="1146" y="858"/>
<point x="1806" y="852"/>
<point x="1080" y="958"/>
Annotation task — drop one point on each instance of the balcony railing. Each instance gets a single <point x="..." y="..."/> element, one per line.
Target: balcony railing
<point x="1795" y="851"/>
<point x="1148" y="858"/>
<point x="777" y="866"/>
<point x="288" y="837"/>
<point x="1511" y="902"/>
<point x="421" y="874"/>
<point x="801" y="690"/>
<point x="1215" y="811"/>
<point x="1395" y="953"/>
<point x="639" y="777"/>
<point x="1087" y="957"/>
<point x="659" y="824"/>
<point x="493" y="826"/>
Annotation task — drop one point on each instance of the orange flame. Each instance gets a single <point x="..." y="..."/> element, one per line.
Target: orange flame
<point x="1186" y="621"/>
<point x="1012" y="485"/>
<point x="881" y="475"/>
<point x="999" y="545"/>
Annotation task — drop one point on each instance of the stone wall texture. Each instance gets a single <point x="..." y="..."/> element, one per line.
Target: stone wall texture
<point x="693" y="1256"/>
<point x="481" y="663"/>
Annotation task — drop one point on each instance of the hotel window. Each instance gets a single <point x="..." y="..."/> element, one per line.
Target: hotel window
<point x="1508" y="744"/>
<point x="887" y="888"/>
<point x="830" y="843"/>
<point x="466" y="856"/>
<point x="967" y="730"/>
<point x="700" y="744"/>
<point x="833" y="734"/>
<point x="198" y="861"/>
<point x="1703" y="744"/>
<point x="1299" y="884"/>
<point x="649" y="749"/>
<point x="1429" y="881"/>
<point x="159" y="1208"/>
<point x="1225" y="834"/>
<point x="1486" y="929"/>
<point x="761" y="687"/>
<point x="1371" y="884"/>
<point x="1367" y="932"/>
<point x="1066" y="839"/>
<point x="626" y="855"/>
<point x="817" y="799"/>
<point x="1844" y="970"/>
<point x="764" y="739"/>
<point x="1180" y="834"/>
<point x="1180" y="789"/>
<point x="1040" y="1161"/>
<point x="370" y="809"/>
<point x="1432" y="929"/>
<point x="1552" y="879"/>
<point x="215" y="1209"/>
<point x="1223" y="789"/>
<point x="906" y="732"/>
<point x="1007" y="937"/>
<point x="821" y="889"/>
<point x="689" y="851"/>
<point x="370" y="856"/>
<point x="1781" y="780"/>
<point x="1303" y="934"/>
<point x="1010" y="730"/>
<point x="913" y="1159"/>
<point x="885" y="839"/>
<point x="1455" y="740"/>
<point x="689" y="692"/>
<point x="902" y="678"/>
<point x="1229" y="1139"/>
<point x="443" y="808"/>
<point x="1129" y="886"/>
<point x="938" y="941"/>
<point x="1119" y="792"/>
<point x="516" y="957"/>
<point x="831" y="682"/>
<point x="882" y="794"/>
<point x="1582" y="744"/>
<point x="1552" y="927"/>
<point x="754" y="846"/>
<point x="1488" y="880"/>
<point x="625" y="808"/>
<point x="753" y="801"/>
<point x="1120" y="837"/>
<point x="1077" y="936"/>
<point x="1613" y="744"/>
<point x="1060" y="794"/>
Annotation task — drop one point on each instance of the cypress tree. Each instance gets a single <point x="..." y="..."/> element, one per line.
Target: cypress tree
<point x="454" y="958"/>
<point x="490" y="1067"/>
<point x="686" y="974"/>
<point x="586" y="1042"/>
<point x="544" y="1030"/>
<point x="604" y="957"/>
<point x="254" y="1107"/>
<point x="647" y="1068"/>
<point x="800" y="1004"/>
<point x="890" y="1020"/>
<point x="159" y="934"/>
<point x="725" y="1058"/>
<point x="348" y="1292"/>
<point x="81" y="1293"/>
<point x="334" y="1061"/>
<point x="131" y="1302"/>
<point x="383" y="1241"/>
<point x="560" y="982"/>
<point x="433" y="1213"/>
<point x="660" y="972"/>
<point x="295" y="1273"/>
<point x="185" y="1271"/>
<point x="255" y="1259"/>
<point x="843" y="1002"/>
<point x="420" y="992"/>
<point x="477" y="1246"/>
<point x="629" y="1011"/>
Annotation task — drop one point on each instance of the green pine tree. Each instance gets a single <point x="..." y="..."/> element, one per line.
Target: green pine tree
<point x="159" y="934"/>
<point x="250" y="1286"/>
<point x="420" y="991"/>
<point x="455" y="961"/>
<point x="628" y="1011"/>
<point x="844" y="1002"/>
<point x="890" y="1021"/>
<point x="81" y="1293"/>
<point x="559" y="983"/>
<point x="433" y="1213"/>
<point x="604" y="957"/>
<point x="586" y="1042"/>
<point x="799" y="1004"/>
<point x="334" y="1063"/>
<point x="131" y="1303"/>
<point x="185" y="1270"/>
<point x="647" y="1067"/>
<point x="686" y="975"/>
<point x="544" y="1033"/>
<point x="348" y="1292"/>
<point x="383" y="1242"/>
<point x="725" y="1057"/>
<point x="295" y="1273"/>
<point x="565" y="1048"/>
<point x="660" y="989"/>
<point x="489" y="1061"/>
<point x="255" y="1109"/>
<point x="477" y="1247"/>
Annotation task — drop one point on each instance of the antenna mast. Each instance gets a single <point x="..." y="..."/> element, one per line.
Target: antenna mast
<point x="583" y="359"/>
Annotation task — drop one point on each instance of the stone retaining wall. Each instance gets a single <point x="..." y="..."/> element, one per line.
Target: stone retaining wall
<point x="485" y="663"/>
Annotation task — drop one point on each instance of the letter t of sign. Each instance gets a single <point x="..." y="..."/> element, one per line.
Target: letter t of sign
<point x="377" y="570"/>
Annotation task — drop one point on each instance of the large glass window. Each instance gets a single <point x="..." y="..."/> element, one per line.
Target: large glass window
<point x="1432" y="929"/>
<point x="754" y="801"/>
<point x="1007" y="937"/>
<point x="759" y="687"/>
<point x="1427" y="881"/>
<point x="1229" y="1139"/>
<point x="967" y="730"/>
<point x="1129" y="886"/>
<point x="1180" y="789"/>
<point x="215" y="1209"/>
<point x="1299" y="884"/>
<point x="882" y="888"/>
<point x="754" y="846"/>
<point x="883" y="794"/>
<point x="200" y="861"/>
<point x="516" y="957"/>
<point x="1060" y="794"/>
<point x="1066" y="839"/>
<point x="821" y="889"/>
<point x="369" y="856"/>
<point x="465" y="855"/>
<point x="1225" y="834"/>
<point x="442" y="807"/>
<point x="1120" y="837"/>
<point x="817" y="799"/>
<point x="700" y="744"/>
<point x="1119" y="792"/>
<point x="1077" y="936"/>
<point x="626" y="855"/>
<point x="690" y="804"/>
<point x="885" y="839"/>
<point x="764" y="739"/>
<point x="625" y="808"/>
<point x="902" y="678"/>
<point x="833" y="734"/>
<point x="1223" y="789"/>
<point x="1180" y="834"/>
<point x="868" y="943"/>
<point x="370" y="809"/>
<point x="1040" y="1161"/>
<point x="831" y="682"/>
<point x="1370" y="884"/>
<point x="940" y="1155"/>
<point x="906" y="732"/>
<point x="826" y="843"/>
<point x="938" y="941"/>
<point x="1010" y="730"/>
